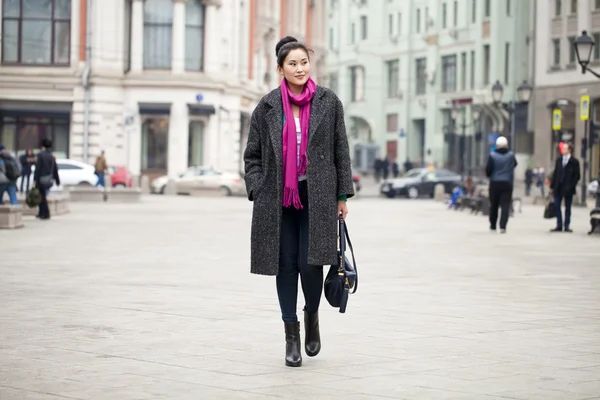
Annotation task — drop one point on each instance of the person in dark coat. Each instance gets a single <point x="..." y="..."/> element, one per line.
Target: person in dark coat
<point x="27" y="161"/>
<point x="500" y="169"/>
<point x="299" y="176"/>
<point x="46" y="173"/>
<point x="563" y="185"/>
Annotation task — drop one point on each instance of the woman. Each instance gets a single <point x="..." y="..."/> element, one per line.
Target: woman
<point x="298" y="174"/>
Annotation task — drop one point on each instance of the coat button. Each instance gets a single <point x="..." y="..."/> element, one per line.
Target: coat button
<point x="322" y="157"/>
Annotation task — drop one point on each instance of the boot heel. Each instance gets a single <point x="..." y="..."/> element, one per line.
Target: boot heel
<point x="293" y="354"/>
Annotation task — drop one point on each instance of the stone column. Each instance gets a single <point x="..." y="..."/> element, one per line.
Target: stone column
<point x="137" y="36"/>
<point x="212" y="62"/>
<point x="178" y="55"/>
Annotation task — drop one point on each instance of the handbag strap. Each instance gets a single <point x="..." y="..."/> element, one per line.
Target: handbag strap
<point x="344" y="236"/>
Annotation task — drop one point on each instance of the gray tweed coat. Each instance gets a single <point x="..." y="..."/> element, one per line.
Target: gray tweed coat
<point x="329" y="175"/>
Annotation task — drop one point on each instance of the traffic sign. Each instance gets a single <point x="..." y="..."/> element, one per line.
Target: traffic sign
<point x="199" y="97"/>
<point x="402" y="133"/>
<point x="584" y="108"/>
<point x="556" y="120"/>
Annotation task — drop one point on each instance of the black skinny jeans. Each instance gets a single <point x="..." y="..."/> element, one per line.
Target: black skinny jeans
<point x="293" y="261"/>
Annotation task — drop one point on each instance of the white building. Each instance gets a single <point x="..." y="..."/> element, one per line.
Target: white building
<point x="171" y="83"/>
<point x="400" y="66"/>
<point x="559" y="82"/>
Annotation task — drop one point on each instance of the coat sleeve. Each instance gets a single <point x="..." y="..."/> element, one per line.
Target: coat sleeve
<point x="552" y="175"/>
<point x="489" y="168"/>
<point x="253" y="172"/>
<point x="343" y="164"/>
<point x="577" y="172"/>
<point x="55" y="173"/>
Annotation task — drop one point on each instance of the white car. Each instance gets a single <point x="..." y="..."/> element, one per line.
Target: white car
<point x="71" y="173"/>
<point x="202" y="178"/>
<point x="593" y="188"/>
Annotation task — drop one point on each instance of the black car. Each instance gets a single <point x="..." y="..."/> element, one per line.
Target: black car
<point x="421" y="182"/>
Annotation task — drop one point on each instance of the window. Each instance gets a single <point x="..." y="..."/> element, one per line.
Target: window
<point x="474" y="11"/>
<point x="391" y="25"/>
<point x="455" y="16"/>
<point x="558" y="8"/>
<point x="574" y="7"/>
<point x="363" y="27"/>
<point x="444" y="16"/>
<point x="357" y="82"/>
<point x="352" y="33"/>
<point x="449" y="74"/>
<point x="596" y="55"/>
<point x="572" y="55"/>
<point x="196" y="144"/>
<point x="508" y="8"/>
<point x="393" y="78"/>
<point x="418" y="25"/>
<point x="60" y="166"/>
<point x="158" y="32"/>
<point x="19" y="133"/>
<point x="472" y="70"/>
<point x="486" y="64"/>
<point x="392" y="123"/>
<point x="487" y="10"/>
<point x="399" y="24"/>
<point x="597" y="6"/>
<point x="506" y="62"/>
<point x="555" y="52"/>
<point x="463" y="71"/>
<point x="36" y="32"/>
<point x="155" y="140"/>
<point x="331" y="39"/>
<point x="333" y="82"/>
<point x="421" y="70"/>
<point x="194" y="36"/>
<point x="426" y="18"/>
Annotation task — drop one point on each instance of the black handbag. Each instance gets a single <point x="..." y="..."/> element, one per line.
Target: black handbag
<point x="33" y="198"/>
<point x="342" y="279"/>
<point x="549" y="211"/>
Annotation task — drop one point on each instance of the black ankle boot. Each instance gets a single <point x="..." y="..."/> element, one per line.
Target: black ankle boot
<point x="312" y="338"/>
<point x="293" y="354"/>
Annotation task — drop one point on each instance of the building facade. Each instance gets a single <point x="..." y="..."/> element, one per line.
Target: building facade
<point x="559" y="83"/>
<point x="400" y="66"/>
<point x="170" y="84"/>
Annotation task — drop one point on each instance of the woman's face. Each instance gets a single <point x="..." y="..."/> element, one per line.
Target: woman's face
<point x="296" y="67"/>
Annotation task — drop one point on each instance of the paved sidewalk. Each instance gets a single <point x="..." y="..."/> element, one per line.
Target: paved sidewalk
<point x="155" y="301"/>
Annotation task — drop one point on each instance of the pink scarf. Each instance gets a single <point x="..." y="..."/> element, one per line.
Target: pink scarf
<point x="291" y="170"/>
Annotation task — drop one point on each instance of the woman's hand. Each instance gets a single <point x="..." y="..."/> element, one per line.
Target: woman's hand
<point x="342" y="207"/>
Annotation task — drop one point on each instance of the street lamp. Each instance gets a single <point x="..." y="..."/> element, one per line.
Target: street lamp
<point x="584" y="46"/>
<point x="524" y="92"/>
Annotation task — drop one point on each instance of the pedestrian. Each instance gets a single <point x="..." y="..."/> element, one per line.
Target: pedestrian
<point x="500" y="170"/>
<point x="100" y="169"/>
<point x="541" y="180"/>
<point x="563" y="185"/>
<point x="10" y="170"/>
<point x="299" y="176"/>
<point x="528" y="180"/>
<point x="46" y="173"/>
<point x="395" y="169"/>
<point x="27" y="161"/>
<point x="385" y="168"/>
<point x="377" y="168"/>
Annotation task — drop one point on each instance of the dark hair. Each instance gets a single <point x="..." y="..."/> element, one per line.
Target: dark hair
<point x="570" y="146"/>
<point x="46" y="143"/>
<point x="287" y="44"/>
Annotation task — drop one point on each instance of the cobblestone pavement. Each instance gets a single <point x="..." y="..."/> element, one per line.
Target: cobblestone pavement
<point x="155" y="301"/>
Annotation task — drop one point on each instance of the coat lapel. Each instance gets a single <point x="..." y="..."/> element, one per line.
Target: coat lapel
<point x="275" y="124"/>
<point x="317" y="112"/>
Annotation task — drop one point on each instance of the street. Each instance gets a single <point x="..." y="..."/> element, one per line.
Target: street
<point x="155" y="301"/>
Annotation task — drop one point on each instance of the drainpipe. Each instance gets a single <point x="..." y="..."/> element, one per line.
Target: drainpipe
<point x="86" y="81"/>
<point x="411" y="60"/>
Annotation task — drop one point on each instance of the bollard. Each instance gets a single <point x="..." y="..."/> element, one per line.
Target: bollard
<point x="145" y="184"/>
<point x="170" y="189"/>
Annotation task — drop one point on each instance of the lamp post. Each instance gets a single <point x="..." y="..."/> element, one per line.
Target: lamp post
<point x="584" y="46"/>
<point x="455" y="112"/>
<point x="524" y="92"/>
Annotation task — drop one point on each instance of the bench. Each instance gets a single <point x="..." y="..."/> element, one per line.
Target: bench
<point x="57" y="203"/>
<point x="11" y="216"/>
<point x="124" y="195"/>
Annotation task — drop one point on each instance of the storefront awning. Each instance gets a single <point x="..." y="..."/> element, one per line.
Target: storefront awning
<point x="201" y="109"/>
<point x="155" y="108"/>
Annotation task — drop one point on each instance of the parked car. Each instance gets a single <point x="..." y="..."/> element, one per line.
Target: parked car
<point x="202" y="178"/>
<point x="421" y="182"/>
<point x="119" y="176"/>
<point x="71" y="173"/>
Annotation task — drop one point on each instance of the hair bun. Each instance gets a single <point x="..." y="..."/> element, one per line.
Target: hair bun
<point x="284" y="41"/>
